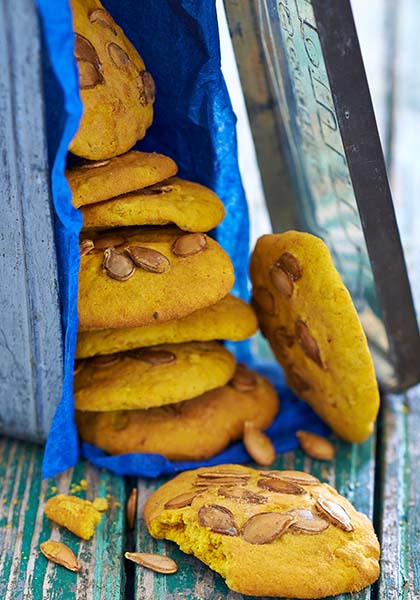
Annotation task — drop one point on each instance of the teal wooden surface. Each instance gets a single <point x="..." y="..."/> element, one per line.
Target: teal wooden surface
<point x="25" y="572"/>
<point x="353" y="473"/>
<point x="399" y="501"/>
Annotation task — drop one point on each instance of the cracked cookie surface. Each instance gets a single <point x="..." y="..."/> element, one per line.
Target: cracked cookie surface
<point x="191" y="430"/>
<point x="116" y="90"/>
<point x="308" y="317"/>
<point x="93" y="183"/>
<point x="151" y="376"/>
<point x="229" y="319"/>
<point x="268" y="533"/>
<point x="137" y="277"/>
<point x="188" y="205"/>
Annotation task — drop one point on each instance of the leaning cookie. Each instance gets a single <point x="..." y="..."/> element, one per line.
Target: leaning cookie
<point x="191" y="430"/>
<point x="116" y="90"/>
<point x="98" y="181"/>
<point x="268" y="533"/>
<point x="140" y="277"/>
<point x="190" y="206"/>
<point x="308" y="317"/>
<point x="229" y="319"/>
<point x="151" y="377"/>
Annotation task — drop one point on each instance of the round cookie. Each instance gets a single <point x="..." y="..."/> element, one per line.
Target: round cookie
<point x="229" y="319"/>
<point x="98" y="181"/>
<point x="116" y="90"/>
<point x="269" y="533"/>
<point x="191" y="430"/>
<point x="174" y="274"/>
<point x="151" y="377"/>
<point x="308" y="317"/>
<point x="190" y="206"/>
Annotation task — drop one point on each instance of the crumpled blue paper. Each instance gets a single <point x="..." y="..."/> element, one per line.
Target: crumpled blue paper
<point x="195" y="125"/>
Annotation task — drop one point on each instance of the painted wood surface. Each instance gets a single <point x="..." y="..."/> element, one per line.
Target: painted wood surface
<point x="353" y="473"/>
<point x="30" y="326"/>
<point x="399" y="498"/>
<point x="25" y="573"/>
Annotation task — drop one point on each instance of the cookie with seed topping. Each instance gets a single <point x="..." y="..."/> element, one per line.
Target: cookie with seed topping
<point x="307" y="315"/>
<point x="267" y="533"/>
<point x="188" y="205"/>
<point x="116" y="90"/>
<point x="151" y="376"/>
<point x="138" y="277"/>
<point x="191" y="430"/>
<point x="229" y="319"/>
<point x="94" y="182"/>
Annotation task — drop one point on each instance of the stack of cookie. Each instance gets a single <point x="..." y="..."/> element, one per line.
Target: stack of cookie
<point x="153" y="287"/>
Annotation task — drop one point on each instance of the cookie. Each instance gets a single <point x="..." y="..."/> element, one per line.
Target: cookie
<point x="308" y="317"/>
<point x="269" y="533"/>
<point x="77" y="515"/>
<point x="229" y="319"/>
<point x="98" y="181"/>
<point x="190" y="206"/>
<point x="191" y="430"/>
<point x="146" y="276"/>
<point x="151" y="376"/>
<point x="116" y="90"/>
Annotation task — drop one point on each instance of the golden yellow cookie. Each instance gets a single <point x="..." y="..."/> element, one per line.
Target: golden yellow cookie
<point x="151" y="376"/>
<point x="99" y="181"/>
<point x="229" y="319"/>
<point x="308" y="317"/>
<point x="149" y="276"/>
<point x="191" y="430"/>
<point x="77" y="515"/>
<point x="270" y="533"/>
<point x="116" y="90"/>
<point x="190" y="206"/>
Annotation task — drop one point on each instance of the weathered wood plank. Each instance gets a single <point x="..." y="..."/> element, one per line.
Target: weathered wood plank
<point x="26" y="573"/>
<point x="30" y="324"/>
<point x="399" y="512"/>
<point x="353" y="475"/>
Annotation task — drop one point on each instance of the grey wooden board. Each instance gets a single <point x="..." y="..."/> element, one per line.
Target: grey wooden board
<point x="25" y="573"/>
<point x="352" y="473"/>
<point x="30" y="325"/>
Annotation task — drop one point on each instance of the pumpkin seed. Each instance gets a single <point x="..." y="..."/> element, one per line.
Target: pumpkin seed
<point x="217" y="518"/>
<point x="155" y="562"/>
<point x="258" y="445"/>
<point x="61" y="554"/>
<point x="335" y="513"/>
<point x="264" y="528"/>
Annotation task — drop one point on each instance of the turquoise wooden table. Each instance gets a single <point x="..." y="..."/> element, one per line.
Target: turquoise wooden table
<point x="377" y="476"/>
